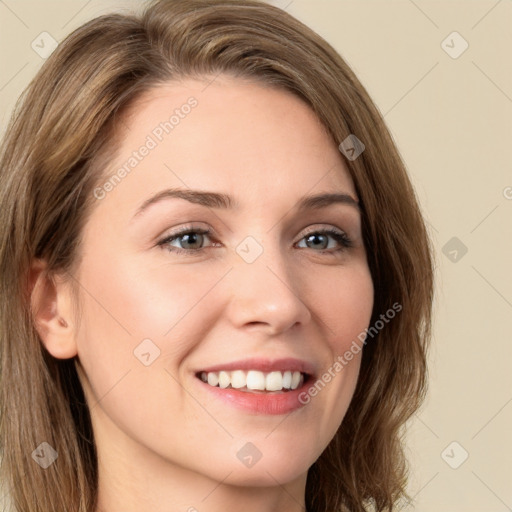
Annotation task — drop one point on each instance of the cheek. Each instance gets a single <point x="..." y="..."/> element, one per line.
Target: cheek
<point x="139" y="322"/>
<point x="144" y="297"/>
<point x="344" y="303"/>
<point x="132" y="308"/>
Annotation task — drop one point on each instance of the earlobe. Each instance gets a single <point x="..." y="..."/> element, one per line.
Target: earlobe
<point x="51" y="307"/>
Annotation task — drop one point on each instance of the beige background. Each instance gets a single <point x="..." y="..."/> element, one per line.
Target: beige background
<point x="452" y="121"/>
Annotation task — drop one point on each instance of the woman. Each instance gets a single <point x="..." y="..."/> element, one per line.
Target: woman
<point x="216" y="279"/>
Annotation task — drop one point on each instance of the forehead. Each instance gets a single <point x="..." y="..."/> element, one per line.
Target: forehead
<point x="233" y="136"/>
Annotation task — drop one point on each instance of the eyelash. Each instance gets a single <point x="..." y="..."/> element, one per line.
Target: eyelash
<point x="340" y="237"/>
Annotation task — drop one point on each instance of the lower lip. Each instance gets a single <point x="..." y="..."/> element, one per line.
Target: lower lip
<point x="260" y="403"/>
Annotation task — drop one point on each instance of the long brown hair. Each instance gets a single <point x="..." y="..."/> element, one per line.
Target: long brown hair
<point x="60" y="137"/>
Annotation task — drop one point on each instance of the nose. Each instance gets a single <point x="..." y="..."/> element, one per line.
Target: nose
<point x="266" y="293"/>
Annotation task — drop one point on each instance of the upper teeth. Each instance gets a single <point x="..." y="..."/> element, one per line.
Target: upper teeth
<point x="253" y="379"/>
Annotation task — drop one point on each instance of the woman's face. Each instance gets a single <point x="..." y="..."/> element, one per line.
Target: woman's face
<point x="264" y="293"/>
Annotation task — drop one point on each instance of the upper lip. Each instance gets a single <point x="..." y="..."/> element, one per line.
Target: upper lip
<point x="264" y="365"/>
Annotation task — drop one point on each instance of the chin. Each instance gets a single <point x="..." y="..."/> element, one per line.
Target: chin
<point x="266" y="475"/>
<point x="275" y="465"/>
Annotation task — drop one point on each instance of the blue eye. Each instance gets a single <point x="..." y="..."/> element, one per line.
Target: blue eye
<point x="190" y="237"/>
<point x="192" y="240"/>
<point x="320" y="240"/>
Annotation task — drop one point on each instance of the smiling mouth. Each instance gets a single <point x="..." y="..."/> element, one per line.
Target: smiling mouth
<point x="254" y="381"/>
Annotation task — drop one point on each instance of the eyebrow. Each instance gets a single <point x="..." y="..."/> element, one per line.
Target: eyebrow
<point x="226" y="202"/>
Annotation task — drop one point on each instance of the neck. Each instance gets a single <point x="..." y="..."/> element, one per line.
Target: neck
<point x="125" y="487"/>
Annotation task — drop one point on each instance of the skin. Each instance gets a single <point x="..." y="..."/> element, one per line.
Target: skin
<point x="164" y="442"/>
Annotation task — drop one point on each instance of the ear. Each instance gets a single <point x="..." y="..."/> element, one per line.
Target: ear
<point x="52" y="310"/>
